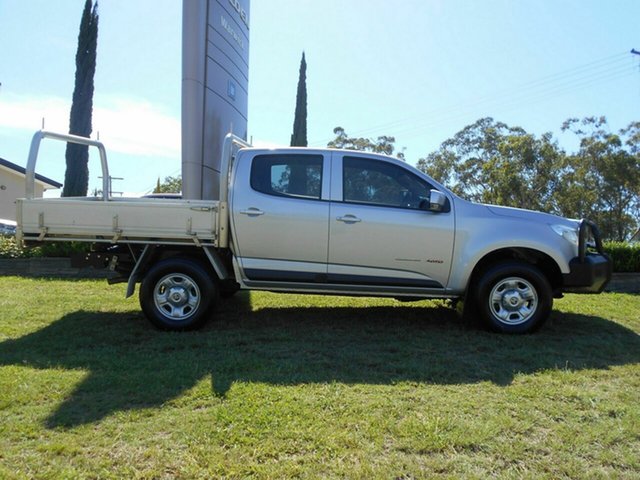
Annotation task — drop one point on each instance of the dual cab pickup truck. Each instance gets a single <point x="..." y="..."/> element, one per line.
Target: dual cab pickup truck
<point x="322" y="221"/>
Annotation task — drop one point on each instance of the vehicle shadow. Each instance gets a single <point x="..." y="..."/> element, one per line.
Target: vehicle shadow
<point x="132" y="366"/>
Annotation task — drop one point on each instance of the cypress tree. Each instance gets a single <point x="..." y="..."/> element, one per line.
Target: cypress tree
<point x="299" y="136"/>
<point x="76" y="178"/>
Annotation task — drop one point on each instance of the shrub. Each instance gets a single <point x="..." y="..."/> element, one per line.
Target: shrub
<point x="9" y="248"/>
<point x="63" y="249"/>
<point x="625" y="256"/>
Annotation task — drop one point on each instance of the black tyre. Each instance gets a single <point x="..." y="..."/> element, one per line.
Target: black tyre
<point x="227" y="293"/>
<point x="229" y="289"/>
<point x="178" y="294"/>
<point x="513" y="297"/>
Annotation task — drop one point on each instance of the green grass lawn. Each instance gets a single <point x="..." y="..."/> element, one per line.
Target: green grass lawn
<point x="282" y="386"/>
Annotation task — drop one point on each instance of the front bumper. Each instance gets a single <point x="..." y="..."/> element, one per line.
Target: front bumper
<point x="590" y="272"/>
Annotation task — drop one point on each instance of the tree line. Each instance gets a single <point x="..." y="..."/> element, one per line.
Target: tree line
<point x="492" y="162"/>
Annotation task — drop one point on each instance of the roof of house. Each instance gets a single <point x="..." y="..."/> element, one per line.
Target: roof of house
<point x="19" y="169"/>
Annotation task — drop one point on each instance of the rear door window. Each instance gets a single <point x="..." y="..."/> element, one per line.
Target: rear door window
<point x="291" y="175"/>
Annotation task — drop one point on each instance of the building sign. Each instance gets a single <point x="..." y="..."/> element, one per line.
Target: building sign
<point x="215" y="87"/>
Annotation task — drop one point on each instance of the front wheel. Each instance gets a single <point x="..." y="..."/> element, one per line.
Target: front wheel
<point x="514" y="297"/>
<point x="178" y="294"/>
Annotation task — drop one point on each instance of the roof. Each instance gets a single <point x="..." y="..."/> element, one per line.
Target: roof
<point x="22" y="170"/>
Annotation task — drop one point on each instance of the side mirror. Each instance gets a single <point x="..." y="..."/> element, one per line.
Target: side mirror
<point x="437" y="201"/>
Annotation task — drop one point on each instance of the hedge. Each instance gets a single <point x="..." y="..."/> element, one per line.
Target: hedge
<point x="10" y="249"/>
<point x="626" y="256"/>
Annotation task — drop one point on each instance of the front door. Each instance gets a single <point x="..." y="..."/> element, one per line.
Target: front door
<point x="380" y="232"/>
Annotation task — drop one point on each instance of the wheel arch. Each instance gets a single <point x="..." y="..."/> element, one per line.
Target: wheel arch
<point x="541" y="260"/>
<point x="211" y="260"/>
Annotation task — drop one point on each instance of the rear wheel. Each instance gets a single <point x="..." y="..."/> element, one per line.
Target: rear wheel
<point x="514" y="297"/>
<point x="229" y="289"/>
<point x="178" y="294"/>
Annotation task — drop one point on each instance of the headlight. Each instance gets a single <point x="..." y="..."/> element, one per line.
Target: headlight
<point x="568" y="233"/>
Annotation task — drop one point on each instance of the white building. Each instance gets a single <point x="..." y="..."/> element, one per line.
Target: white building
<point x="12" y="186"/>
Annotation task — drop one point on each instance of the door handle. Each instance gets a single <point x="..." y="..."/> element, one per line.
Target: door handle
<point x="252" y="212"/>
<point x="348" y="219"/>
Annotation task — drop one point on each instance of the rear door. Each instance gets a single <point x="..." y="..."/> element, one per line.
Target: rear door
<point x="380" y="233"/>
<point x="280" y="216"/>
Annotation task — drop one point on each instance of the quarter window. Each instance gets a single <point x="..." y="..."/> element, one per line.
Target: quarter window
<point x="380" y="183"/>
<point x="288" y="175"/>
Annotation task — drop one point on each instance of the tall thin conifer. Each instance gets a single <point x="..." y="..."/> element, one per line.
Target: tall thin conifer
<point x="76" y="178"/>
<point x="299" y="136"/>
